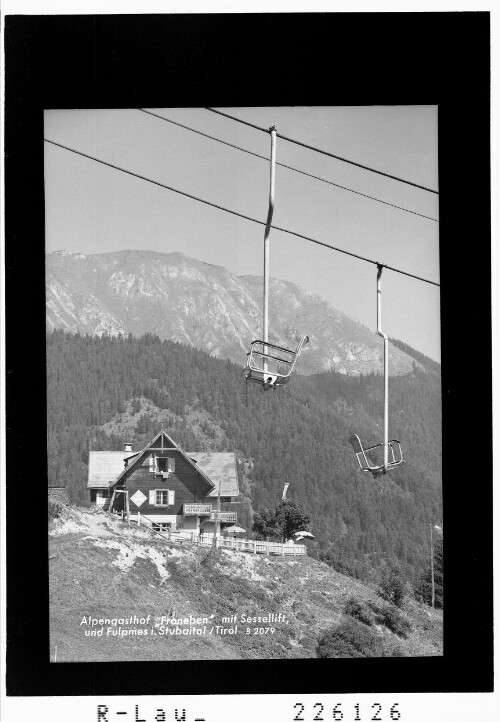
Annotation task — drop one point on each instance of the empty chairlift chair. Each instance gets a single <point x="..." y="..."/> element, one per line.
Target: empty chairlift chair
<point x="383" y="457"/>
<point x="267" y="363"/>
<point x="395" y="455"/>
<point x="271" y="365"/>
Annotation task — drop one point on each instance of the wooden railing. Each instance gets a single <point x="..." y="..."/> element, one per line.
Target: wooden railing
<point x="242" y="545"/>
<point x="142" y="519"/>
<point x="196" y="509"/>
<point x="246" y="545"/>
<point x="225" y="516"/>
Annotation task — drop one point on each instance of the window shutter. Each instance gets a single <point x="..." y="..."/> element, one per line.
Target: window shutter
<point x="171" y="464"/>
<point x="151" y="497"/>
<point x="171" y="497"/>
<point x="151" y="463"/>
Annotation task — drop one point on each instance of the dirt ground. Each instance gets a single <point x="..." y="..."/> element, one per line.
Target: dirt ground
<point x="106" y="577"/>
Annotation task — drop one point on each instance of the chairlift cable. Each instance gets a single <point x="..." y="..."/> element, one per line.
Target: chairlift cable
<point x="237" y="213"/>
<point x="288" y="167"/>
<point x="325" y="152"/>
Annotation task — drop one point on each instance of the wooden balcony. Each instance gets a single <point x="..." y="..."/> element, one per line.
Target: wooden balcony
<point x="196" y="510"/>
<point x="225" y="516"/>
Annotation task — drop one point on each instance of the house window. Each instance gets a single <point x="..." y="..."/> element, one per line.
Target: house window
<point x="161" y="497"/>
<point x="166" y="464"/>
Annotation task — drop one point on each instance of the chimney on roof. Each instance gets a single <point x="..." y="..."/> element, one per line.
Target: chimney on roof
<point x="128" y="447"/>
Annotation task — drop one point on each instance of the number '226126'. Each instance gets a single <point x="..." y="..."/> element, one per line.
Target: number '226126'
<point x="322" y="714"/>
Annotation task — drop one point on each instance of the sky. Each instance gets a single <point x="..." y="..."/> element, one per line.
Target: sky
<point x="94" y="209"/>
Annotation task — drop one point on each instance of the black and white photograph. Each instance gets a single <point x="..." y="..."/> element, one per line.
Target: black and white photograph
<point x="243" y="383"/>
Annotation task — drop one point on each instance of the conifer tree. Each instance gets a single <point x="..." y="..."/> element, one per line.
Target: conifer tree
<point x="423" y="590"/>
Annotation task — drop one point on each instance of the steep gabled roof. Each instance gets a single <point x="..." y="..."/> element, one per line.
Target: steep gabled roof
<point x="161" y="440"/>
<point x="219" y="466"/>
<point x="106" y="468"/>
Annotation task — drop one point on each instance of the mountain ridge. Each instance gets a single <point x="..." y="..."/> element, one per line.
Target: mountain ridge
<point x="206" y="306"/>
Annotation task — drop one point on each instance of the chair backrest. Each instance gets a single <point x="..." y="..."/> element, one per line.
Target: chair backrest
<point x="356" y="444"/>
<point x="274" y="359"/>
<point x="360" y="453"/>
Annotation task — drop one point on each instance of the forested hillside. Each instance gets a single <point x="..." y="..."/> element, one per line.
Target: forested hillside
<point x="103" y="391"/>
<point x="426" y="362"/>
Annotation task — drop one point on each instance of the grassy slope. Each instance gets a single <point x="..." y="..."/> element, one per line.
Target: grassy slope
<point x="100" y="567"/>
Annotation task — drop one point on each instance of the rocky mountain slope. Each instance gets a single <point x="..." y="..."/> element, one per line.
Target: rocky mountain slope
<point x="205" y="306"/>
<point x="102" y="570"/>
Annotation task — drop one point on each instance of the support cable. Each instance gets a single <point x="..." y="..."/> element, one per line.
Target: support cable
<point x="283" y="165"/>
<point x="325" y="152"/>
<point x="237" y="213"/>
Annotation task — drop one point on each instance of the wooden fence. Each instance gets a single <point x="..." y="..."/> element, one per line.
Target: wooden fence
<point x="245" y="545"/>
<point x="241" y="545"/>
